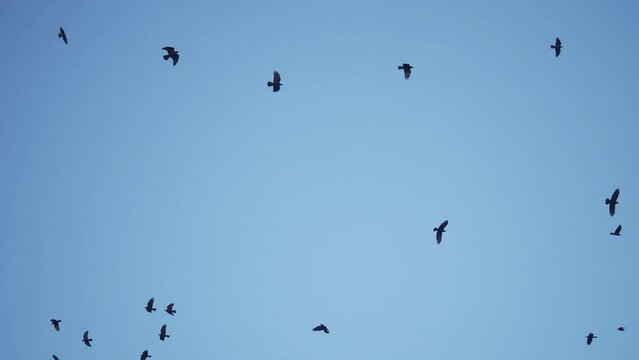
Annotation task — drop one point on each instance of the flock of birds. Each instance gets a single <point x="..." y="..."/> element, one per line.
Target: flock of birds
<point x="276" y="83"/>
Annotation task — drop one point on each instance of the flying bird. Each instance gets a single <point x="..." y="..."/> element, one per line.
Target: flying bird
<point x="171" y="53"/>
<point x="406" y="68"/>
<point x="321" y="327"/>
<point x="440" y="230"/>
<point x="56" y="324"/>
<point x="55" y="357"/>
<point x="163" y="333"/>
<point x="169" y="309"/>
<point x="62" y="35"/>
<point x="149" y="305"/>
<point x="276" y="83"/>
<point x="612" y="202"/>
<point x="589" y="338"/>
<point x="86" y="339"/>
<point x="557" y="47"/>
<point x="617" y="231"/>
<point x="145" y="354"/>
<point x="621" y="328"/>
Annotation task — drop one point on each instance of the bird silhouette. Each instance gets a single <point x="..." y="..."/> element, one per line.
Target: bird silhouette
<point x="145" y="354"/>
<point x="440" y="230"/>
<point x="62" y="35"/>
<point x="55" y="357"/>
<point x="169" y="309"/>
<point x="589" y="338"/>
<point x="621" y="328"/>
<point x="149" y="305"/>
<point x="171" y="53"/>
<point x="617" y="231"/>
<point x="557" y="47"/>
<point x="321" y="327"/>
<point x="406" y="68"/>
<point x="56" y="324"/>
<point x="612" y="202"/>
<point x="85" y="339"/>
<point x="276" y="83"/>
<point x="163" y="333"/>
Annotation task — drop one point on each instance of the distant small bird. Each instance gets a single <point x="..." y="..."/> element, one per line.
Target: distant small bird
<point x="440" y="230"/>
<point x="145" y="354"/>
<point x="149" y="305"/>
<point x="163" y="333"/>
<point x="86" y="339"/>
<point x="617" y="231"/>
<point x="621" y="328"/>
<point x="612" y="202"/>
<point x="55" y="357"/>
<point x="557" y="47"/>
<point x="169" y="309"/>
<point x="171" y="53"/>
<point x="589" y="338"/>
<point x="62" y="35"/>
<point x="321" y="327"/>
<point x="56" y="324"/>
<point x="276" y="83"/>
<point x="406" y="68"/>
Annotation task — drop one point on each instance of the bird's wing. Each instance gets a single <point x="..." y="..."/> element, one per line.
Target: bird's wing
<point x="443" y="225"/>
<point x="55" y="357"/>
<point x="615" y="196"/>
<point x="406" y="72"/>
<point x="276" y="77"/>
<point x="318" y="328"/>
<point x="557" y="51"/>
<point x="589" y="341"/>
<point x="611" y="208"/>
<point x="170" y="307"/>
<point x="149" y="303"/>
<point x="557" y="42"/>
<point x="56" y="326"/>
<point x="175" y="57"/>
<point x="86" y="335"/>
<point x="163" y="329"/>
<point x="439" y="236"/>
<point x="168" y="48"/>
<point x="618" y="230"/>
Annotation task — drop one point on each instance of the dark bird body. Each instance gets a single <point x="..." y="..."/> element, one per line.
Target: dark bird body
<point x="163" y="333"/>
<point x="56" y="324"/>
<point x="85" y="338"/>
<point x="276" y="83"/>
<point x="171" y="53"/>
<point x="589" y="338"/>
<point x="149" y="305"/>
<point x="621" y="328"/>
<point x="62" y="35"/>
<point x="169" y="309"/>
<point x="612" y="202"/>
<point x="145" y="354"/>
<point x="440" y="230"/>
<point x="557" y="47"/>
<point x="617" y="231"/>
<point x="406" y="68"/>
<point x="321" y="327"/>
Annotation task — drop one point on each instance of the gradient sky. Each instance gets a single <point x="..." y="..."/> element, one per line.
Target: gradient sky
<point x="261" y="215"/>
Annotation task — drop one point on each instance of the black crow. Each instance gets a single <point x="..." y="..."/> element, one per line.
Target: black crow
<point x="589" y="338"/>
<point x="86" y="339"/>
<point x="55" y="357"/>
<point x="145" y="354"/>
<point x="62" y="35"/>
<point x="440" y="230"/>
<point x="163" y="333"/>
<point x="171" y="53"/>
<point x="321" y="327"/>
<point x="169" y="309"/>
<point x="406" y="68"/>
<point x="149" y="306"/>
<point x="612" y="202"/>
<point x="557" y="47"/>
<point x="56" y="324"/>
<point x="621" y="328"/>
<point x="617" y="231"/>
<point x="276" y="83"/>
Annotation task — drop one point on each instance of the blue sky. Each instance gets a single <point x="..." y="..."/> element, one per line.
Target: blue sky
<point x="261" y="215"/>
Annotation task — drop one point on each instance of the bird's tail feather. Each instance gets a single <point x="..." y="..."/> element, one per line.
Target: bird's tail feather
<point x="269" y="84"/>
<point x="607" y="201"/>
<point x="166" y="57"/>
<point x="167" y="335"/>
<point x="552" y="46"/>
<point x="435" y="229"/>
<point x="400" y="67"/>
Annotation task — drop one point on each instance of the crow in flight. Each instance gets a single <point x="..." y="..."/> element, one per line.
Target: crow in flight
<point x="617" y="231"/>
<point x="440" y="230"/>
<point x="321" y="327"/>
<point x="149" y="306"/>
<point x="62" y="35"/>
<point x="406" y="68"/>
<point x="612" y="202"/>
<point x="169" y="309"/>
<point x="145" y="354"/>
<point x="621" y="328"/>
<point x="163" y="333"/>
<point x="171" y="53"/>
<point x="589" y="338"/>
<point x="557" y="47"/>
<point x="86" y="340"/>
<point x="56" y="324"/>
<point x="276" y="83"/>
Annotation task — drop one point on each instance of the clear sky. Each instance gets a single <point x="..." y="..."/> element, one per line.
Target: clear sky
<point x="261" y="214"/>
